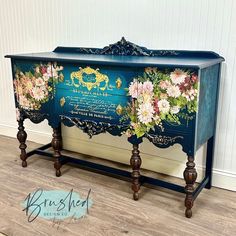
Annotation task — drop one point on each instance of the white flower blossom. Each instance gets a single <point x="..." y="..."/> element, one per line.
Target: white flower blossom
<point x="178" y="76"/>
<point x="39" y="82"/>
<point x="145" y="113"/>
<point x="173" y="91"/>
<point x="163" y="105"/>
<point x="38" y="93"/>
<point x="174" y="109"/>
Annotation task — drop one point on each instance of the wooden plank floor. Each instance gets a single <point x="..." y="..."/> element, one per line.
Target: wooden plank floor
<point x="158" y="212"/>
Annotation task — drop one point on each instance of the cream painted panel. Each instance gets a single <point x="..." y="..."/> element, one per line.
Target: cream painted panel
<point x="169" y="161"/>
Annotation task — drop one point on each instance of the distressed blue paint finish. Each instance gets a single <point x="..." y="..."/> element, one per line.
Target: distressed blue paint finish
<point x="206" y="119"/>
<point x="130" y="61"/>
<point x="89" y="96"/>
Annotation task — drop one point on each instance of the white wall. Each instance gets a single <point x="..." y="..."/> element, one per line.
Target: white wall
<point x="31" y="26"/>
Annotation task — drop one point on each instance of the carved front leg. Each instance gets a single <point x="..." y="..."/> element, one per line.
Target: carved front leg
<point x="135" y="163"/>
<point x="57" y="146"/>
<point x="22" y="136"/>
<point x="190" y="176"/>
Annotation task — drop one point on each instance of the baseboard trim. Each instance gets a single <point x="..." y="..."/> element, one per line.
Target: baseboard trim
<point x="32" y="135"/>
<point x="224" y="179"/>
<point x="221" y="178"/>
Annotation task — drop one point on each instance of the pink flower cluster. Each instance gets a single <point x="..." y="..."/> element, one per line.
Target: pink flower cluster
<point x="137" y="89"/>
<point x="32" y="89"/>
<point x="143" y="91"/>
<point x="168" y="93"/>
<point x="180" y="84"/>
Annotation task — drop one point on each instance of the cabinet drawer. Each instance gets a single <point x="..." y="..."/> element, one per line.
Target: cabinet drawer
<point x="89" y="105"/>
<point x="112" y="80"/>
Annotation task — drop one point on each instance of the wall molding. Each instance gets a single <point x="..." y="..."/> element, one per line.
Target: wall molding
<point x="221" y="178"/>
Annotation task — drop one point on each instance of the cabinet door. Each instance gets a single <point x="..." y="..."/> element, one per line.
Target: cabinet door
<point x="165" y="101"/>
<point x="33" y="86"/>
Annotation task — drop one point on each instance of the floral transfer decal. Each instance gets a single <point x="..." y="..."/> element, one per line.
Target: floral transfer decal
<point x="159" y="96"/>
<point x="35" y="88"/>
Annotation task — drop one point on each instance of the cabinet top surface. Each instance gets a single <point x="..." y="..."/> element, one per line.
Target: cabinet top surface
<point x="124" y="53"/>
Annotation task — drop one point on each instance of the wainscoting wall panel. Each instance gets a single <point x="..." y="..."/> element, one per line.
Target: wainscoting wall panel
<point x="41" y="25"/>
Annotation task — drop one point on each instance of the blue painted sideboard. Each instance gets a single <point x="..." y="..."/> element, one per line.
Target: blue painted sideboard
<point x="166" y="96"/>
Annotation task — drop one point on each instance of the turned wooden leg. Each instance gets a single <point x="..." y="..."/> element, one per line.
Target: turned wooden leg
<point x="135" y="163"/>
<point x="57" y="146"/>
<point x="22" y="136"/>
<point x="190" y="176"/>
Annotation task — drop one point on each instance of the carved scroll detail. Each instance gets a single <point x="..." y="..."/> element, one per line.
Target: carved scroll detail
<point x="126" y="48"/>
<point x="91" y="127"/>
<point x="35" y="117"/>
<point x="162" y="139"/>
